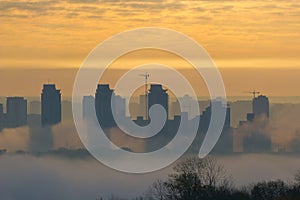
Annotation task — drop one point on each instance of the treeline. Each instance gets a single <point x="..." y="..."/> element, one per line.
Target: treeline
<point x="204" y="179"/>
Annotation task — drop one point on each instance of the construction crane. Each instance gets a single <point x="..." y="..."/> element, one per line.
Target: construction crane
<point x="254" y="93"/>
<point x="146" y="76"/>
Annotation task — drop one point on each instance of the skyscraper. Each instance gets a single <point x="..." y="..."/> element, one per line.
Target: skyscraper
<point x="143" y="106"/>
<point x="66" y="110"/>
<point x="1" y="109"/>
<point x="206" y="115"/>
<point x="119" y="104"/>
<point x="34" y="107"/>
<point x="1" y="117"/>
<point x="16" y="114"/>
<point x="157" y="95"/>
<point x="103" y="101"/>
<point x="88" y="106"/>
<point x="51" y="105"/>
<point x="260" y="106"/>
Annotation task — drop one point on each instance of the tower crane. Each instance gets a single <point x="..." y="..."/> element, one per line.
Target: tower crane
<point x="254" y="93"/>
<point x="146" y="76"/>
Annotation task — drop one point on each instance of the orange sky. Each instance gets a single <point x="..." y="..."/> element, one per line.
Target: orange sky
<point x="240" y="35"/>
<point x="60" y="33"/>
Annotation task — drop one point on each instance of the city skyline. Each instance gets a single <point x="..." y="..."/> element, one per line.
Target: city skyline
<point x="150" y="100"/>
<point x="50" y="97"/>
<point x="105" y="99"/>
<point x="230" y="140"/>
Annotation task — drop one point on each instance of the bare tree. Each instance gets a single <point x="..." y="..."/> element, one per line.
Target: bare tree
<point x="206" y="170"/>
<point x="193" y="178"/>
<point x="157" y="191"/>
<point x="297" y="177"/>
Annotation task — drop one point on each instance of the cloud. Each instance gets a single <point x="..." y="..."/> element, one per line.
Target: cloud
<point x="150" y="6"/>
<point x="126" y="1"/>
<point x="83" y="1"/>
<point x="72" y="15"/>
<point x="36" y="6"/>
<point x="13" y="16"/>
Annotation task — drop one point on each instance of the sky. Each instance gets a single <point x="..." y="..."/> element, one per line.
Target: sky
<point x="237" y="82"/>
<point x="236" y="33"/>
<point x="254" y="43"/>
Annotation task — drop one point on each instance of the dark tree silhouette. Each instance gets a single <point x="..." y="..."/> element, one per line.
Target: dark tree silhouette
<point x="204" y="179"/>
<point x="193" y="178"/>
<point x="157" y="191"/>
<point x="272" y="190"/>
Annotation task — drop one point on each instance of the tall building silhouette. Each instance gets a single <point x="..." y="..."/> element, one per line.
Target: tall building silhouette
<point x="119" y="104"/>
<point x="157" y="95"/>
<point x="66" y="110"/>
<point x="1" y="117"/>
<point x="88" y="106"/>
<point x="260" y="106"/>
<point x="143" y="106"/>
<point x="239" y="110"/>
<point x="206" y="115"/>
<point x="51" y="105"/>
<point x="16" y="112"/>
<point x="103" y="101"/>
<point x="1" y="109"/>
<point x="256" y="139"/>
<point x="34" y="107"/>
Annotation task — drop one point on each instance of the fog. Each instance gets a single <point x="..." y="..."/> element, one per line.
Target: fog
<point x="59" y="176"/>
<point x="27" y="177"/>
<point x="48" y="177"/>
<point x="40" y="139"/>
<point x="14" y="139"/>
<point x="251" y="168"/>
<point x="282" y="129"/>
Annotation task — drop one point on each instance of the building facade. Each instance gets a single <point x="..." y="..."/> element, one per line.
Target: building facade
<point x="260" y="106"/>
<point x="158" y="95"/>
<point x="16" y="112"/>
<point x="51" y="105"/>
<point x="103" y="99"/>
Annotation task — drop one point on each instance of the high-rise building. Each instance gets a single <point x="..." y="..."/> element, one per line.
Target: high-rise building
<point x="51" y="105"/>
<point x="88" y="106"/>
<point x="1" y="109"/>
<point x="206" y="115"/>
<point x="239" y="110"/>
<point x="35" y="107"/>
<point x="1" y="117"/>
<point x="134" y="109"/>
<point x="119" y="105"/>
<point x="103" y="104"/>
<point x="175" y="109"/>
<point x="66" y="110"/>
<point x="143" y="106"/>
<point x="157" y="95"/>
<point x="16" y="112"/>
<point x="260" y="106"/>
